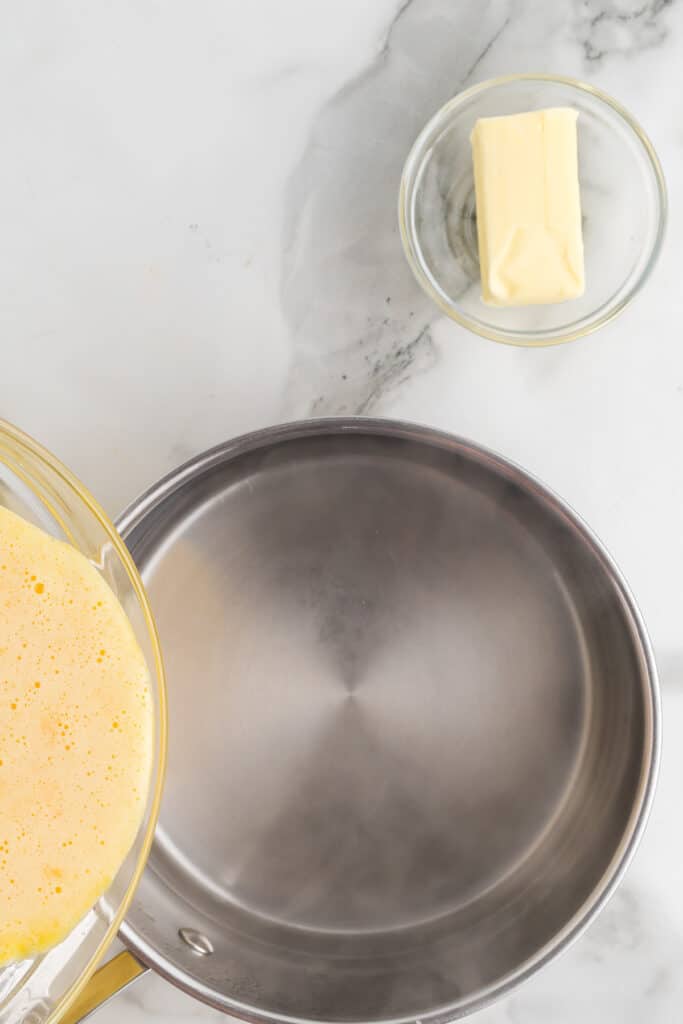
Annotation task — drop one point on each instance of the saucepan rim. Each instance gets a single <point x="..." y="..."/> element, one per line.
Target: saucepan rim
<point x="640" y="808"/>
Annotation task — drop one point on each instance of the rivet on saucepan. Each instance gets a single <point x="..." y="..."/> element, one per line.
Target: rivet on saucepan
<point x="196" y="941"/>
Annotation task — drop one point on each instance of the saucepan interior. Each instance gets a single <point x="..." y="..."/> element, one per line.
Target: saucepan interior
<point x="415" y="724"/>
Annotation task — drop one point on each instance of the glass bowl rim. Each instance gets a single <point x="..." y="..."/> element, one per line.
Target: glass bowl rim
<point x="412" y="249"/>
<point x="11" y="440"/>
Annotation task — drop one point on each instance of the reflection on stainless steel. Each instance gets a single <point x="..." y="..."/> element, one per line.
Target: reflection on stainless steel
<point x="196" y="941"/>
<point x="414" y="723"/>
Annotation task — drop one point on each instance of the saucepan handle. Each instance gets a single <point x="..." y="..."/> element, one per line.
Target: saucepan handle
<point x="114" y="976"/>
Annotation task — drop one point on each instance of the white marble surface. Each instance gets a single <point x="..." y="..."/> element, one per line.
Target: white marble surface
<point x="197" y="207"/>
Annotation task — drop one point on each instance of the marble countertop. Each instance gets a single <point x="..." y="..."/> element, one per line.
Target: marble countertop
<point x="199" y="238"/>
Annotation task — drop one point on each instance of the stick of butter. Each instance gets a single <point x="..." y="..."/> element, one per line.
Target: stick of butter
<point x="528" y="207"/>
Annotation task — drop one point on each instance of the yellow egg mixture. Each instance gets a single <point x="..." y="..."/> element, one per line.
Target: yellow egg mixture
<point x="76" y="733"/>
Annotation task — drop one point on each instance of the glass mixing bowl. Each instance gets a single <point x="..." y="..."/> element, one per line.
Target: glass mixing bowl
<point x="35" y="485"/>
<point x="623" y="202"/>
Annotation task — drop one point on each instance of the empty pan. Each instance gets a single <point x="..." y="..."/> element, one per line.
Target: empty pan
<point x="413" y="726"/>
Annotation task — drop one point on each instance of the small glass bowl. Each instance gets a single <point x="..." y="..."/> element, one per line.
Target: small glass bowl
<point x="41" y="988"/>
<point x="623" y="200"/>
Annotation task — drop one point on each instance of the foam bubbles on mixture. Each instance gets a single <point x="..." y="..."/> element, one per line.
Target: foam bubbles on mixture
<point x="76" y="725"/>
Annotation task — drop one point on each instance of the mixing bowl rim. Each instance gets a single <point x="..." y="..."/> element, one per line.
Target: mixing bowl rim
<point x="14" y="441"/>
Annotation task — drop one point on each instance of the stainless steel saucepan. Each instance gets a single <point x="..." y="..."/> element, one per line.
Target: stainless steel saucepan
<point x="414" y="726"/>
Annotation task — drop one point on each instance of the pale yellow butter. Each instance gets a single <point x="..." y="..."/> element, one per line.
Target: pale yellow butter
<point x="528" y="207"/>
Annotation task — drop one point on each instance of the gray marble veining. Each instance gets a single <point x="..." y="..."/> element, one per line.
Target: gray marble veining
<point x="278" y="132"/>
<point x="359" y="326"/>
